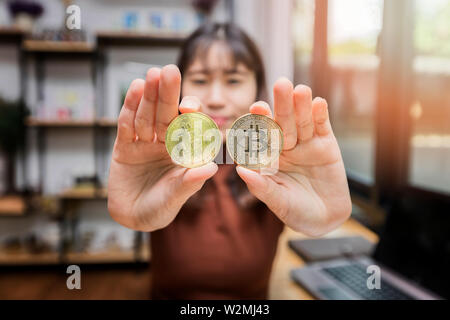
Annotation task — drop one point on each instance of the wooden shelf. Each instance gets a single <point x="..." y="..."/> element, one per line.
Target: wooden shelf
<point x="11" y="34"/>
<point x="100" y="257"/>
<point x="115" y="38"/>
<point x="106" y="122"/>
<point x="10" y="30"/>
<point x="84" y="193"/>
<point x="25" y="258"/>
<point x="57" y="46"/>
<point x="133" y="38"/>
<point x="12" y="205"/>
<point x="113" y="256"/>
<point x="34" y="122"/>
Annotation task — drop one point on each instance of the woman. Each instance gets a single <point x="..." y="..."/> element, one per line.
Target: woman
<point x="215" y="228"/>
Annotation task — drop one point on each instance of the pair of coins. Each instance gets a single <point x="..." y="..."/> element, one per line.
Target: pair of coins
<point x="254" y="141"/>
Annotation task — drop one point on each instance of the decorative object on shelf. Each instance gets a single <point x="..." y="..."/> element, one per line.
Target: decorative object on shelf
<point x="83" y="186"/>
<point x="25" y="13"/>
<point x="178" y="23"/>
<point x="156" y="20"/>
<point x="12" y="137"/>
<point x="49" y="205"/>
<point x="42" y="238"/>
<point x="88" y="181"/>
<point x="60" y="35"/>
<point x="34" y="244"/>
<point x="204" y="8"/>
<point x="11" y="244"/>
<point x="130" y="20"/>
<point x="171" y="21"/>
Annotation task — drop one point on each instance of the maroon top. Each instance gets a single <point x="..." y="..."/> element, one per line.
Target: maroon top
<point x="218" y="252"/>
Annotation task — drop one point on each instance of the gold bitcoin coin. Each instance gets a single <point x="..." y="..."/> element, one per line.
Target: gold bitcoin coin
<point x="193" y="140"/>
<point x="254" y="141"/>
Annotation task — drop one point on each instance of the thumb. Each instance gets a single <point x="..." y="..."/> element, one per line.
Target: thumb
<point x="265" y="189"/>
<point x="193" y="179"/>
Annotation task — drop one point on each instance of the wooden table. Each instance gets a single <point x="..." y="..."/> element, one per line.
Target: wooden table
<point x="282" y="287"/>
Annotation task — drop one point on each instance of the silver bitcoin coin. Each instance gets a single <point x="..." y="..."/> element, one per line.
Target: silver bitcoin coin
<point x="254" y="141"/>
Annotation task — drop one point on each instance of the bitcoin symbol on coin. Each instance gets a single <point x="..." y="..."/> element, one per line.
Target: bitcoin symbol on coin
<point x="193" y="140"/>
<point x="254" y="141"/>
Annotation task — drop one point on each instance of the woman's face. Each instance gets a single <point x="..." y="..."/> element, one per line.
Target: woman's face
<point x="225" y="91"/>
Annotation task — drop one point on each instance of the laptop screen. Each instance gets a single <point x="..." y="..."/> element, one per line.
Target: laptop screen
<point x="415" y="242"/>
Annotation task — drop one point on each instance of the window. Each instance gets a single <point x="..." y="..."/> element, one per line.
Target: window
<point x="303" y="32"/>
<point x="430" y="111"/>
<point x="353" y="32"/>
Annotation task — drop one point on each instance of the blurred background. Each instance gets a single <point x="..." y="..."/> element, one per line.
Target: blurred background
<point x="383" y="66"/>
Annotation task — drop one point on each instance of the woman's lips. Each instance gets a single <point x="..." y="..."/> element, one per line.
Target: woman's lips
<point x="220" y="121"/>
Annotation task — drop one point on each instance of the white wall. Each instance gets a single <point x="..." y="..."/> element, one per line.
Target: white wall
<point x="268" y="22"/>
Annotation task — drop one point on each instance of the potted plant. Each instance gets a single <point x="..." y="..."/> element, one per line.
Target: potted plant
<point x="12" y="138"/>
<point x="24" y="13"/>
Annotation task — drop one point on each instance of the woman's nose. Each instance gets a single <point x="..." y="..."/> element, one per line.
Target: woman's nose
<point x="216" y="99"/>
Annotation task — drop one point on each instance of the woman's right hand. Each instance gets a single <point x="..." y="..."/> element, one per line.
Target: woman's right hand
<point x="145" y="188"/>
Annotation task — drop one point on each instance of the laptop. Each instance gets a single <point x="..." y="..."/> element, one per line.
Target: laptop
<point x="312" y="250"/>
<point x="346" y="279"/>
<point x="412" y="257"/>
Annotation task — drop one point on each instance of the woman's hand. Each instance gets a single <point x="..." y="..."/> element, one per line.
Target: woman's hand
<point x="309" y="193"/>
<point x="145" y="189"/>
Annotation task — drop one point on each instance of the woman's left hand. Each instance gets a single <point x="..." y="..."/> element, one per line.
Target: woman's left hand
<point x="309" y="192"/>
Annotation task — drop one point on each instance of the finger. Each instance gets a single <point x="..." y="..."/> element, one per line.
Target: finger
<point x="284" y="111"/>
<point x="168" y="98"/>
<point x="303" y="112"/>
<point x="125" y="123"/>
<point x="261" y="108"/>
<point x="193" y="179"/>
<point x="200" y="174"/>
<point x="190" y="104"/>
<point x="144" y="122"/>
<point x="264" y="188"/>
<point x="322" y="123"/>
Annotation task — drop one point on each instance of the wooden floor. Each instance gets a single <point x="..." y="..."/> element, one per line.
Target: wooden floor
<point x="97" y="283"/>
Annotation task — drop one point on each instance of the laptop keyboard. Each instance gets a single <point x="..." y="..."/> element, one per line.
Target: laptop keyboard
<point x="354" y="277"/>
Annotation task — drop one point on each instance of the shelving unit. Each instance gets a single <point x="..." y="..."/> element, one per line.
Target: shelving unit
<point x="57" y="46"/>
<point x="111" y="256"/>
<point x="127" y="38"/>
<point x="70" y="199"/>
<point x="25" y="258"/>
<point x="35" y="122"/>
<point x="84" y="193"/>
<point x="14" y="205"/>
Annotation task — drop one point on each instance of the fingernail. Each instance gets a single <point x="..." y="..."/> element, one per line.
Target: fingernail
<point x="189" y="103"/>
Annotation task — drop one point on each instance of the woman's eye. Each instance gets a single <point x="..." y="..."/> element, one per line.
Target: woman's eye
<point x="234" y="81"/>
<point x="199" y="81"/>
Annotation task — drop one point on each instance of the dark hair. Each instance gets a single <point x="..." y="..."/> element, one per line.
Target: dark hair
<point x="242" y="50"/>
